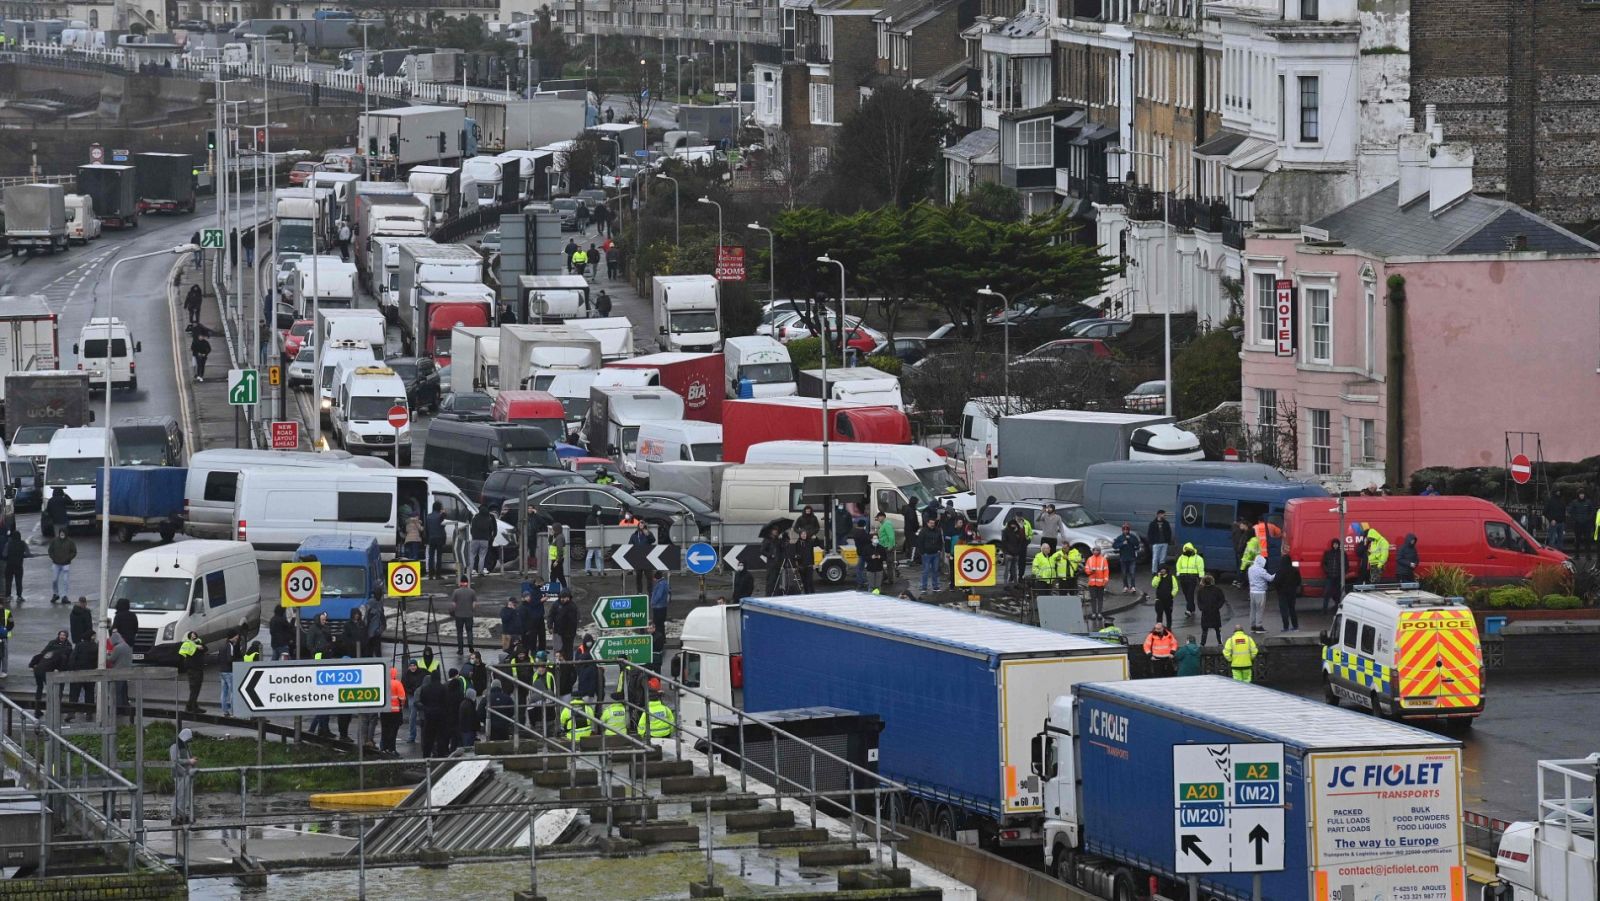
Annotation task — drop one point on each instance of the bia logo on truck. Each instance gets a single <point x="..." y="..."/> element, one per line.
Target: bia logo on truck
<point x="1393" y="775"/>
<point x="696" y="396"/>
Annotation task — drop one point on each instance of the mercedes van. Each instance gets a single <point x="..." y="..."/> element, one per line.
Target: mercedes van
<point x="208" y="587"/>
<point x="73" y="462"/>
<point x="211" y="488"/>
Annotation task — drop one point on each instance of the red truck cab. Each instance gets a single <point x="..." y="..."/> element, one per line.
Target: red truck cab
<point x="442" y="317"/>
<point x="750" y="421"/>
<point x="536" y="408"/>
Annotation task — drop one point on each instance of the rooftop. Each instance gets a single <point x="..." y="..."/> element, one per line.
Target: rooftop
<point x="1474" y="225"/>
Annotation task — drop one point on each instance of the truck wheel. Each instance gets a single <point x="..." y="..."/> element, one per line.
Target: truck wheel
<point x="833" y="571"/>
<point x="125" y="534"/>
<point x="1122" y="887"/>
<point x="944" y="823"/>
<point x="919" y="819"/>
<point x="1061" y="863"/>
<point x="1328" y="694"/>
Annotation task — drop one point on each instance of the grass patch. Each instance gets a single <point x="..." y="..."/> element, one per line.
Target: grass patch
<point x="239" y="751"/>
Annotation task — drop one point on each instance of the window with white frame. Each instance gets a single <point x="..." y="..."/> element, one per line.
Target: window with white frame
<point x="1370" y="349"/>
<point x="1266" y="291"/>
<point x="1310" y="108"/>
<point x="825" y="37"/>
<point x="1267" y="408"/>
<point x="821" y="104"/>
<point x="1319" y="323"/>
<point x="1321" y="442"/>
<point x="1033" y="143"/>
<point x="1369" y="441"/>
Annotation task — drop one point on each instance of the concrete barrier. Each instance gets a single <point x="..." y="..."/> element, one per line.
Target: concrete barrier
<point x="994" y="877"/>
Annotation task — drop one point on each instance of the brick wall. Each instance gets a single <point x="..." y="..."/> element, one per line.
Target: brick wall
<point x="938" y="43"/>
<point x="167" y="886"/>
<point x="1520" y="80"/>
<point x="855" y="56"/>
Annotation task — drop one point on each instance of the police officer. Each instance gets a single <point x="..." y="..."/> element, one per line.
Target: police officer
<point x="658" y="720"/>
<point x="1069" y="562"/>
<point x="579" y="726"/>
<point x="615" y="716"/>
<point x="192" y="660"/>
<point x="1111" y="632"/>
<point x="1044" y="565"/>
<point x="1240" y="651"/>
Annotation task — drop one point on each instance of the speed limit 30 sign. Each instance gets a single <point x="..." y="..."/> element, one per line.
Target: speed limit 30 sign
<point x="405" y="579"/>
<point x="974" y="565"/>
<point x="300" y="584"/>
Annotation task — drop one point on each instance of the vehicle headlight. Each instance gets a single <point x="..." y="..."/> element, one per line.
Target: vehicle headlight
<point x="327" y="403"/>
<point x="169" y="631"/>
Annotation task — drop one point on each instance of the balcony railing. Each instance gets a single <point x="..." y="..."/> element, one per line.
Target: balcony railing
<point x="1106" y="191"/>
<point x="1144" y="204"/>
<point x="1233" y="233"/>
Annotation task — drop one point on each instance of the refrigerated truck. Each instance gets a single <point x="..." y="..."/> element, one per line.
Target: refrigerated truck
<point x="527" y="348"/>
<point x="526" y="124"/>
<point x="407" y="136"/>
<point x="1369" y="808"/>
<point x="961" y="696"/>
<point x="36" y="218"/>
<point x="165" y="182"/>
<point x="417" y="263"/>
<point x="115" y="193"/>
<point x="1065" y="443"/>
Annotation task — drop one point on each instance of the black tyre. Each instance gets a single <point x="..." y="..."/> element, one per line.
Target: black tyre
<point x="1122" y="887"/>
<point x="1328" y="693"/>
<point x="944" y="823"/>
<point x="920" y="819"/>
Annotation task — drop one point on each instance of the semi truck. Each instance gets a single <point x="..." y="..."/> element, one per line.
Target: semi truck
<point x="474" y="359"/>
<point x="687" y="315"/>
<point x="115" y="192"/>
<point x="751" y="421"/>
<point x="526" y="348"/>
<point x="862" y="384"/>
<point x="1554" y="857"/>
<point x="1314" y="802"/>
<point x="1063" y="444"/>
<point x="961" y="696"/>
<point x="381" y="264"/>
<point x="165" y="182"/>
<point x="303" y="220"/>
<point x="440" y="188"/>
<point x="446" y="305"/>
<point x="697" y="378"/>
<point x="407" y="136"/>
<point x="38" y="402"/>
<point x="526" y="124"/>
<point x="400" y="217"/>
<point x="36" y="218"/>
<point x="439" y="264"/>
<point x="30" y="340"/>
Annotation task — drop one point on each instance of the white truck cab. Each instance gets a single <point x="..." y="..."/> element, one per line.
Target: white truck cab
<point x="712" y="659"/>
<point x="1554" y="857"/>
<point x="106" y="341"/>
<point x="364" y="396"/>
<point x="83" y="225"/>
<point x="758" y="364"/>
<point x="75" y="458"/>
<point x="334" y="353"/>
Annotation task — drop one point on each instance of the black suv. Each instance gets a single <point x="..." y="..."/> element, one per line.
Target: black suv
<point x="421" y="375"/>
<point x="504" y="484"/>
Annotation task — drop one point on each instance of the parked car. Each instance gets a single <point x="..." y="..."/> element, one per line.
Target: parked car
<point x="465" y="403"/>
<point x="421" y="377"/>
<point x="1148" y="397"/>
<point x="301" y="173"/>
<point x="490" y="242"/>
<point x="686" y="505"/>
<point x="504" y="485"/>
<point x="1043" y="317"/>
<point x="569" y="505"/>
<point x="1104" y="329"/>
<point x="791" y="327"/>
<point x="1064" y="349"/>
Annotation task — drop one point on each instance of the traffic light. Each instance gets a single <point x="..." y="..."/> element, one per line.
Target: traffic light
<point x="211" y="139"/>
<point x="442" y="150"/>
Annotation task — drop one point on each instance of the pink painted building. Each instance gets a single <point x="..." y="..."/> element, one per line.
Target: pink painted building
<point x="1491" y="325"/>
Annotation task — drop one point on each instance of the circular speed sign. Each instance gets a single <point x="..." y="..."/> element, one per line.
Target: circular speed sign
<point x="301" y="584"/>
<point x="405" y="579"/>
<point x="974" y="565"/>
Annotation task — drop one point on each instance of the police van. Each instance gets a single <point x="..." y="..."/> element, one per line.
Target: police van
<point x="1404" y="653"/>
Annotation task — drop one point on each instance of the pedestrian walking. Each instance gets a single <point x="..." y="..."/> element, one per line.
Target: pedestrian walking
<point x="16" y="552"/>
<point x="569" y="250"/>
<point x="1188" y="658"/>
<point x="1127" y="548"/>
<point x="200" y="349"/>
<point x="1159" y="536"/>
<point x="613" y="259"/>
<point x="463" y="601"/>
<point x="602" y="304"/>
<point x="61" y="550"/>
<point x="80" y="620"/>
<point x="199" y="255"/>
<point x="54" y="515"/>
<point x="1555" y="519"/>
<point x="482" y="531"/>
<point x="248" y="245"/>
<point x="1098" y="570"/>
<point x="1406" y="559"/>
<point x="1165" y="585"/>
<point x="1211" y="601"/>
<point x="1260" y="580"/>
<point x="191" y="303"/>
<point x="344" y="241"/>
<point x="1190" y="567"/>
<point x="1286" y="581"/>
<point x="1240" y="651"/>
<point x="183" y="764"/>
<point x="1159" y="647"/>
<point x="232" y="652"/>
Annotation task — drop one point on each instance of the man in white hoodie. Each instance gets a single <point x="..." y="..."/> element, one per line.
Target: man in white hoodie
<point x="1260" y="581"/>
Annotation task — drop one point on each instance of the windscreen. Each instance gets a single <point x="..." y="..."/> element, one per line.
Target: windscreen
<point x="710" y="452"/>
<point x="441" y="343"/>
<point x="34" y="434"/>
<point x="293" y="237"/>
<point x="72" y="470"/>
<point x="1078" y="517"/>
<point x="373" y="408"/>
<point x="529" y="456"/>
<point x="916" y="491"/>
<point x="767" y="373"/>
<point x="344" y="581"/>
<point x="141" y="447"/>
<point x="939" y="480"/>
<point x="153" y="592"/>
<point x="694" y="322"/>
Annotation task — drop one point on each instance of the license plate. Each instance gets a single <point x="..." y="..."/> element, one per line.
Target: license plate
<point x="1419" y="702"/>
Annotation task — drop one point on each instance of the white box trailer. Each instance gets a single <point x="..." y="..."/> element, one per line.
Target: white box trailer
<point x="410" y="135"/>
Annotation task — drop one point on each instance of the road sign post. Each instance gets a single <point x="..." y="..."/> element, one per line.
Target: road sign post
<point x="244" y="387"/>
<point x="974" y="565"/>
<point x="1228" y="802"/>
<point x="627" y="611"/>
<point x="405" y="579"/>
<point x="657" y="557"/>
<point x="399" y="417"/>
<point x="307" y="687"/>
<point x="300" y="584"/>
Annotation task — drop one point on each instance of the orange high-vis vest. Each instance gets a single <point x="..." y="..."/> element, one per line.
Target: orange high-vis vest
<point x="1098" y="569"/>
<point x="1266" y="530"/>
<point x="397" y="692"/>
<point x="1160" y="646"/>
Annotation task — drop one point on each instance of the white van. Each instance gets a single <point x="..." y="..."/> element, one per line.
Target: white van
<point x="763" y="362"/>
<point x="980" y="431"/>
<point x="571" y="386"/>
<point x="671" y="440"/>
<point x="75" y="458"/>
<point x="932" y="470"/>
<point x="208" y="587"/>
<point x="82" y="224"/>
<point x="756" y="494"/>
<point x="93" y="340"/>
<point x="211" y="489"/>
<point x="334" y="353"/>
<point x="363" y="325"/>
<point x="364" y="395"/>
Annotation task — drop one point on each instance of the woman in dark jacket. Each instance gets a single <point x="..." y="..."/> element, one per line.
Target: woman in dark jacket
<point x="1406" y="560"/>
<point x="807" y="521"/>
<point x="1335" y="574"/>
<point x="281" y="633"/>
<point x="1014" y="542"/>
<point x="125" y="623"/>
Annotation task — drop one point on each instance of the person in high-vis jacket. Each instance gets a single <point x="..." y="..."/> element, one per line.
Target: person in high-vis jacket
<point x="614" y="717"/>
<point x="1160" y="646"/>
<point x="1069" y="564"/>
<point x="1377" y="555"/>
<point x="1044" y="566"/>
<point x="1190" y="567"/>
<point x="1166" y="589"/>
<point x="1098" y="570"/>
<point x="390" y="719"/>
<point x="1240" y="651"/>
<point x="192" y="660"/>
<point x="658" y="720"/>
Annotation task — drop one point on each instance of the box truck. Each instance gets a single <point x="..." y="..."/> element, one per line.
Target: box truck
<point x="758" y="366"/>
<point x="165" y="182"/>
<point x="407" y="136"/>
<point x="30" y="341"/>
<point x="486" y="175"/>
<point x="439" y="263"/>
<point x="747" y="422"/>
<point x="36" y="218"/>
<point x="615" y="334"/>
<point x="687" y="314"/>
<point x="525" y="348"/>
<point x="1149" y="782"/>
<point x="304" y="220"/>
<point x="382" y="265"/>
<point x="862" y="384"/>
<point x="446" y="305"/>
<point x="961" y="696"/>
<point x="114" y="191"/>
<point x="696" y="378"/>
<point x="615" y="415"/>
<point x="397" y="217"/>
<point x="1065" y="443"/>
<point x="440" y="188"/>
<point x="474" y="359"/>
<point x="526" y="124"/>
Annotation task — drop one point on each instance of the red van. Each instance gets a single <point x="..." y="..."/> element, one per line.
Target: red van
<point x="1468" y="532"/>
<point x="535" y="408"/>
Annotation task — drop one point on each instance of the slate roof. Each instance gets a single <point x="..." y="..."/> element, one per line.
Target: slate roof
<point x="1474" y="224"/>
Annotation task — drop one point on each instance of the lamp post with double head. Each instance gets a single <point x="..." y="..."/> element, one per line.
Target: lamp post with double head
<point x="677" y="221"/>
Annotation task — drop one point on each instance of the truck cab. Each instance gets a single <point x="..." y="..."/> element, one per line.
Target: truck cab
<point x="106" y="341"/>
<point x="352" y="569"/>
<point x="1554" y="857"/>
<point x="712" y="659"/>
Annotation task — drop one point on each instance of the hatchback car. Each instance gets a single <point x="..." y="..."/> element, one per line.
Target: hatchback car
<point x="1102" y="329"/>
<point x="567" y="209"/>
<point x="296" y="336"/>
<point x="490" y="242"/>
<point x="304" y="365"/>
<point x="1065" y="349"/>
<point x="1148" y="397"/>
<point x="465" y="403"/>
<point x="301" y="173"/>
<point x="421" y="377"/>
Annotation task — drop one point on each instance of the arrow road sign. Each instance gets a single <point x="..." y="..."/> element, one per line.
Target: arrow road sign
<point x="658" y="557"/>
<point x="702" y="558"/>
<point x="636" y="649"/>
<point x="628" y="611"/>
<point x="296" y="688"/>
<point x="1229" y="807"/>
<point x="745" y="556"/>
<point x="1257" y="836"/>
<point x="211" y="239"/>
<point x="1190" y="845"/>
<point x="244" y="387"/>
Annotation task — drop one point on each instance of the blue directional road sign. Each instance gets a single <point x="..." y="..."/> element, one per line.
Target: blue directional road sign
<point x="642" y="154"/>
<point x="702" y="558"/>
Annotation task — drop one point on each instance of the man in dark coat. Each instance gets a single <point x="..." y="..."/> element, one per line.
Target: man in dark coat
<point x="435" y="703"/>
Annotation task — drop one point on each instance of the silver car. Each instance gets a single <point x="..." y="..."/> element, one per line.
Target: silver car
<point x="1079" y="527"/>
<point x="301" y="370"/>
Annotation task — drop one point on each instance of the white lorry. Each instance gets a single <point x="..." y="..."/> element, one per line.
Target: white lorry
<point x="304" y="219"/>
<point x="687" y="314"/>
<point x="383" y="267"/>
<point x="615" y="416"/>
<point x="406" y="136"/>
<point x="36" y="218"/>
<point x="401" y="217"/>
<point x="474" y="359"/>
<point x="615" y="334"/>
<point x="440" y="188"/>
<point x="83" y="225"/>
<point x="436" y="264"/>
<point x="555" y="298"/>
<point x="1554" y="857"/>
<point x="485" y="174"/>
<point x="526" y="348"/>
<point x="324" y="281"/>
<point x="759" y="365"/>
<point x="366" y="326"/>
<point x="861" y="384"/>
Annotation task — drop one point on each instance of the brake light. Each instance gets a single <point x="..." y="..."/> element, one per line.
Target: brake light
<point x="241" y="531"/>
<point x="736" y="671"/>
<point x="133" y="366"/>
<point x="1009" y="835"/>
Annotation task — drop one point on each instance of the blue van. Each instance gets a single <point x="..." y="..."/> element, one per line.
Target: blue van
<point x="352" y="570"/>
<point x="1208" y="508"/>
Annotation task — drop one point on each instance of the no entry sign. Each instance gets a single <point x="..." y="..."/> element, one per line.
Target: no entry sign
<point x="398" y="417"/>
<point x="1521" y="469"/>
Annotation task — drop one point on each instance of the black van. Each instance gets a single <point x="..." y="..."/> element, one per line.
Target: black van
<point x="466" y="449"/>
<point x="149" y="441"/>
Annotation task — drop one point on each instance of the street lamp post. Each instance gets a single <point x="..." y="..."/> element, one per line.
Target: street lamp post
<point x="843" y="329"/>
<point x="1005" y="332"/>
<point x="677" y="223"/>
<point x="719" y="223"/>
<point x="1166" y="239"/>
<point x="316" y="307"/>
<point x="772" y="260"/>
<point x="105" y="477"/>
